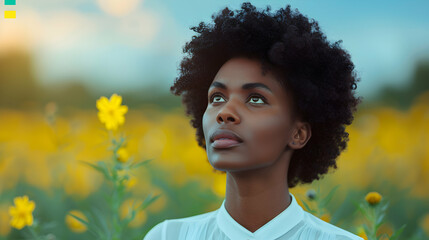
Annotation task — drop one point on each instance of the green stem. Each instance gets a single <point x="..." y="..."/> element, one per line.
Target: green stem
<point x="117" y="197"/>
<point x="117" y="200"/>
<point x="33" y="233"/>
<point x="373" y="223"/>
<point x="110" y="135"/>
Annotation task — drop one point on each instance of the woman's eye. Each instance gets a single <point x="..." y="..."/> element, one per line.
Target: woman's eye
<point x="216" y="97"/>
<point x="255" y="98"/>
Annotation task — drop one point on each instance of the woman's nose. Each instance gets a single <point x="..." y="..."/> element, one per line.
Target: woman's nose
<point x="228" y="113"/>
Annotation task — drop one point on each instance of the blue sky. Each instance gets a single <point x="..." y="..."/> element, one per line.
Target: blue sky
<point x="141" y="43"/>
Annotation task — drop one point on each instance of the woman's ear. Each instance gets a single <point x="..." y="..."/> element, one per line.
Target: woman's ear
<point x="301" y="135"/>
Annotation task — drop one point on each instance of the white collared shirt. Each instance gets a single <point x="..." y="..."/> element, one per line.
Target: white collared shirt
<point x="292" y="223"/>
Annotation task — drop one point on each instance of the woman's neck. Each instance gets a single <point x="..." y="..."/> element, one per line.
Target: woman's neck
<point x="255" y="197"/>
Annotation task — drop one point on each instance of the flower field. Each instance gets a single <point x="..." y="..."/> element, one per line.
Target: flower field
<point x="114" y="172"/>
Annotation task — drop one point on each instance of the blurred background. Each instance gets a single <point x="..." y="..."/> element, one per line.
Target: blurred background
<point x="58" y="57"/>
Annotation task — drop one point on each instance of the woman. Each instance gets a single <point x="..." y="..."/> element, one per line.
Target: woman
<point x="269" y="97"/>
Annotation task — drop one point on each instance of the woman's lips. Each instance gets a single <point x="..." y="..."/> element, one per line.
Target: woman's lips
<point x="225" y="143"/>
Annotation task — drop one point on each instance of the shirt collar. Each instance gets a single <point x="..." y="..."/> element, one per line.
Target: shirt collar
<point x="273" y="229"/>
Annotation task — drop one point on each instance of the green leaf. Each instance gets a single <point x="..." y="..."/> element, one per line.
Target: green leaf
<point x="384" y="206"/>
<point x="79" y="219"/>
<point x="385" y="235"/>
<point x="121" y="139"/>
<point x="139" y="164"/>
<point x="149" y="199"/>
<point x="101" y="167"/>
<point x="92" y="229"/>
<point x="129" y="218"/>
<point x="379" y="220"/>
<point x="118" y="166"/>
<point x="367" y="231"/>
<point x="118" y="144"/>
<point x="101" y="219"/>
<point x="396" y="234"/>
<point x="378" y="225"/>
<point x="318" y="191"/>
<point x="363" y="210"/>
<point x="308" y="208"/>
<point x="328" y="198"/>
<point x="92" y="165"/>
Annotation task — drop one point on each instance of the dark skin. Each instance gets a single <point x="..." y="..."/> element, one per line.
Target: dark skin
<point x="256" y="183"/>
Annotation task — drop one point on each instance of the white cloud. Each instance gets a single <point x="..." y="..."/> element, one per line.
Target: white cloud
<point x="118" y="7"/>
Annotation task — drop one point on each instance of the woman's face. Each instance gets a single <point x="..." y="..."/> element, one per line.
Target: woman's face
<point x="260" y="116"/>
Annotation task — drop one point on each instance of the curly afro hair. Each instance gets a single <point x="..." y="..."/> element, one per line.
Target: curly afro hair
<point x="319" y="75"/>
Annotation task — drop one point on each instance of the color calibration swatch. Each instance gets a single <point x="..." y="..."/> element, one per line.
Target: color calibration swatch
<point x="9" y="14"/>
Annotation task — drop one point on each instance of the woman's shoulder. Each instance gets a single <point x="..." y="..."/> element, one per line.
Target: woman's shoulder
<point x="316" y="223"/>
<point x="157" y="232"/>
<point x="173" y="226"/>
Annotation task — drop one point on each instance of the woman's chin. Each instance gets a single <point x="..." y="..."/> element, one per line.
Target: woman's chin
<point x="230" y="165"/>
<point x="226" y="166"/>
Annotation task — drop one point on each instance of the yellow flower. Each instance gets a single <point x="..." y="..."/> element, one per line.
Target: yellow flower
<point x="110" y="111"/>
<point x="122" y="155"/>
<point x="22" y="212"/>
<point x="74" y="224"/>
<point x="361" y="233"/>
<point x="373" y="198"/>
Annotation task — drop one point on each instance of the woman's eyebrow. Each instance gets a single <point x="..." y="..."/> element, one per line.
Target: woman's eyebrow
<point x="245" y="86"/>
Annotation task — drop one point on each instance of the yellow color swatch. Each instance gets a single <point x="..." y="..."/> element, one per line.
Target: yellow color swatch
<point x="9" y="14"/>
